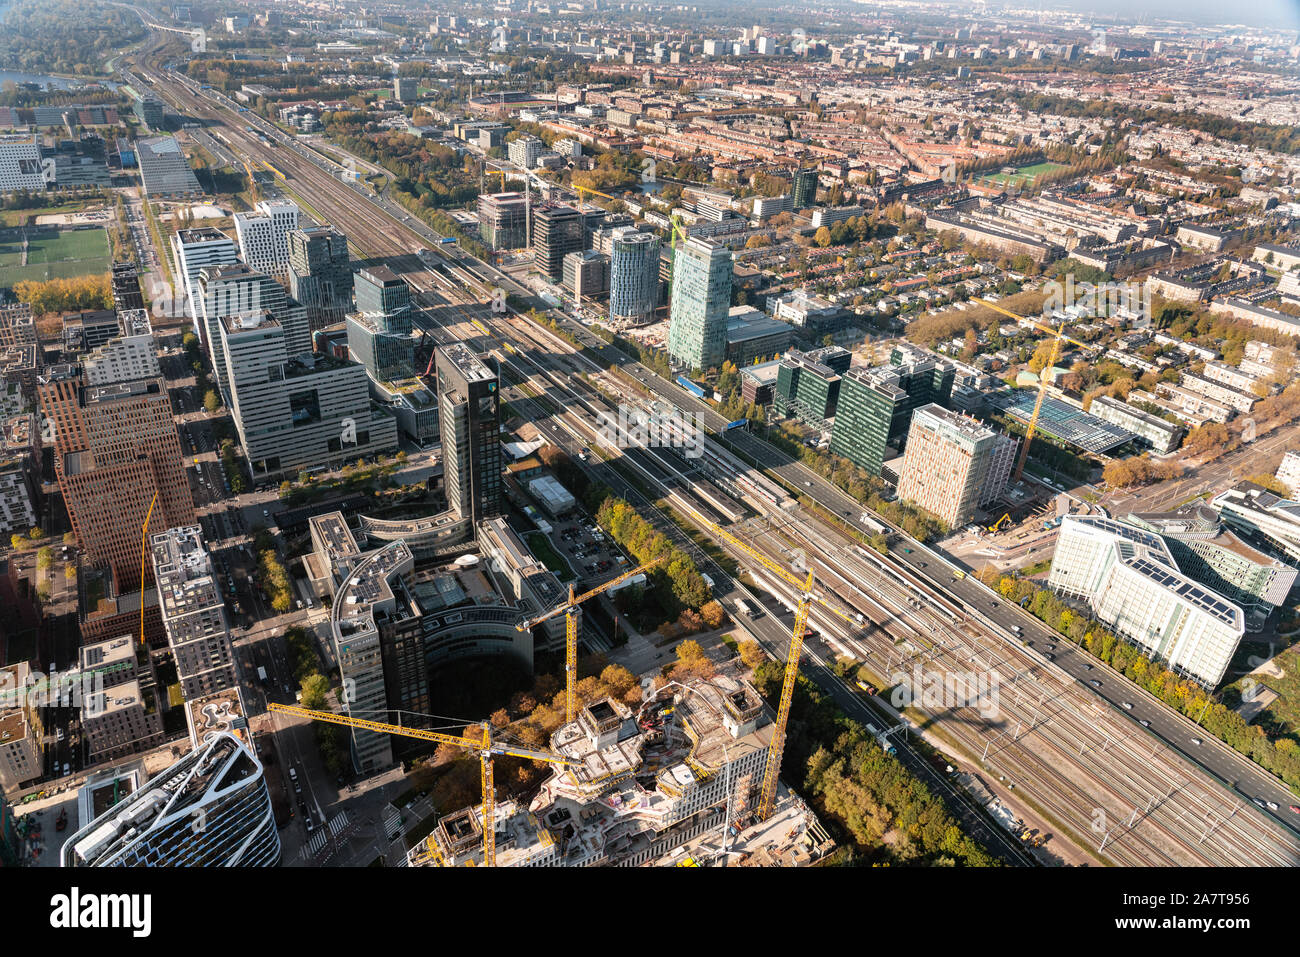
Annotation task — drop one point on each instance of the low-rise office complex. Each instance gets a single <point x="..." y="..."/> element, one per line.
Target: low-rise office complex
<point x="1130" y="580"/>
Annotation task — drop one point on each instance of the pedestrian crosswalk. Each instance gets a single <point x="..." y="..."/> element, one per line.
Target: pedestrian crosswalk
<point x="313" y="847"/>
<point x="338" y="822"/>
<point x="392" y="822"/>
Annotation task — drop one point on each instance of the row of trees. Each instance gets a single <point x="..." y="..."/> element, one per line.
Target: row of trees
<point x="331" y="740"/>
<point x="65" y="295"/>
<point x="1279" y="755"/>
<point x="866" y="488"/>
<point x="273" y="578"/>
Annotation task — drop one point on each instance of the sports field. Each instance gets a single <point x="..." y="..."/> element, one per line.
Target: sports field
<point x="51" y="253"/>
<point x="1024" y="175"/>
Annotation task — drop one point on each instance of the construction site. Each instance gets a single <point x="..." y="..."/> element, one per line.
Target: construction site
<point x="676" y="780"/>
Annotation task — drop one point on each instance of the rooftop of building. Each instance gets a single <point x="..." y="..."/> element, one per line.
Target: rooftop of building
<point x="184" y="574"/>
<point x="764" y="373"/>
<point x="201" y="234"/>
<point x="250" y="322"/>
<point x="119" y="391"/>
<point x="1147" y="554"/>
<point x="120" y="697"/>
<point x="746" y="322"/>
<point x="382" y="276"/>
<point x="331" y="529"/>
<point x="471" y="367"/>
<point x="214" y="714"/>
<point x="964" y="425"/>
<point x="1202" y="523"/>
<point x="101" y="654"/>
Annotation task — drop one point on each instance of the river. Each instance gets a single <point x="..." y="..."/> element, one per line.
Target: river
<point x="58" y="82"/>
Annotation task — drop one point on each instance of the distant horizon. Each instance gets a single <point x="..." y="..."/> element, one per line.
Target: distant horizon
<point x="1256" y="13"/>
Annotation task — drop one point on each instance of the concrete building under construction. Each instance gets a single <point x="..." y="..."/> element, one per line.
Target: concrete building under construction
<point x="685" y="765"/>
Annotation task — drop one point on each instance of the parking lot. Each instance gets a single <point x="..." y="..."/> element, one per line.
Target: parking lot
<point x="587" y="549"/>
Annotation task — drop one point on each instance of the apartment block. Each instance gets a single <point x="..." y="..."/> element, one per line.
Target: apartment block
<point x="20" y="473"/>
<point x="192" y="250"/>
<point x="471" y="444"/>
<point x="875" y="405"/>
<point x="1159" y="435"/>
<point x="131" y="354"/>
<point x="503" y="220"/>
<point x="115" y="449"/>
<point x="264" y="236"/>
<point x="953" y="464"/>
<point x="558" y="230"/>
<point x="193" y="612"/>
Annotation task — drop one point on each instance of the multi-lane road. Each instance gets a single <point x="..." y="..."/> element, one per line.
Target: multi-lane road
<point x="1073" y="752"/>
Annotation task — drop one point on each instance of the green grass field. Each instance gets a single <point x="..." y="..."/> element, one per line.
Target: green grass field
<point x="1024" y="175"/>
<point x="73" y="252"/>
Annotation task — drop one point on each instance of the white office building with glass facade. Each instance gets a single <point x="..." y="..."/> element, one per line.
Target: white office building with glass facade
<point x="1131" y="582"/>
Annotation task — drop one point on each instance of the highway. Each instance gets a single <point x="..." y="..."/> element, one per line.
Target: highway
<point x="1237" y="831"/>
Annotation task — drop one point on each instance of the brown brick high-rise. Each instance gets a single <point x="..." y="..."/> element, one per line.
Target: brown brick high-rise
<point x="114" y="447"/>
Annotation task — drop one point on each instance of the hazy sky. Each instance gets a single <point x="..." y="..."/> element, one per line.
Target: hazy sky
<point x="1277" y="13"/>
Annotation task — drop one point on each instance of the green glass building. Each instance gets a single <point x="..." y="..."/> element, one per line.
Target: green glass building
<point x="875" y="406"/>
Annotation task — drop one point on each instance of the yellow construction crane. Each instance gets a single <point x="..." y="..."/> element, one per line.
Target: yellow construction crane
<point x="485" y="747"/>
<point x="254" y="193"/>
<point x="771" y="773"/>
<point x="1058" y="336"/>
<point x="678" y="230"/>
<point x="570" y="612"/>
<point x="505" y="174"/>
<point x="583" y="191"/>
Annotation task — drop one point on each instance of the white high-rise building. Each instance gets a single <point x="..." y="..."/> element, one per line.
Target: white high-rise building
<point x="264" y="236"/>
<point x="209" y="809"/>
<point x="240" y="290"/>
<point x="130" y="354"/>
<point x="298" y="411"/>
<point x="192" y="249"/>
<point x="1132" y="583"/>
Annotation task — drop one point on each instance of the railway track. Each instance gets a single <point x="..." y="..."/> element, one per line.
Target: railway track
<point x="378" y="234"/>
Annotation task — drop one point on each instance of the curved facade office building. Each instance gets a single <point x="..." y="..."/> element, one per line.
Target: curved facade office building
<point x="634" y="276"/>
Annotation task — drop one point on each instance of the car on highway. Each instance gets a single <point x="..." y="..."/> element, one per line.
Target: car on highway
<point x="1272" y="805"/>
<point x="1126" y="705"/>
<point x="1145" y="723"/>
<point x="1095" y="683"/>
<point x="1196" y="741"/>
<point x="1295" y="808"/>
<point x="1260" y="802"/>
